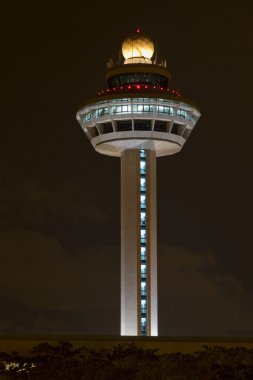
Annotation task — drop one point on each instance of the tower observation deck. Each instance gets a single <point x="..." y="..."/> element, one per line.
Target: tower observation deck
<point x="138" y="118"/>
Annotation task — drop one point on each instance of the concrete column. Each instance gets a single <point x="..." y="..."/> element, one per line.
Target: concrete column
<point x="130" y="243"/>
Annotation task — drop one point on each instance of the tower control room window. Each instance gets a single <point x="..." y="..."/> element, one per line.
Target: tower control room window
<point x="142" y="125"/>
<point x="160" y="126"/>
<point x="93" y="131"/>
<point x="102" y="111"/>
<point x="181" y="113"/>
<point x="121" y="109"/>
<point x="186" y="133"/>
<point x="107" y="128"/>
<point x="87" y="117"/>
<point x="140" y="78"/>
<point x="167" y="110"/>
<point x="175" y="129"/>
<point x="123" y="125"/>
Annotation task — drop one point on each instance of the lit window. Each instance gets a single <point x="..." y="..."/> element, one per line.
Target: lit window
<point x="87" y="117"/>
<point x="143" y="250"/>
<point x="143" y="181"/>
<point x="143" y="216"/>
<point x="102" y="111"/>
<point x="143" y="198"/>
<point x="143" y="268"/>
<point x="143" y="233"/>
<point x="143" y="165"/>
<point x="181" y="113"/>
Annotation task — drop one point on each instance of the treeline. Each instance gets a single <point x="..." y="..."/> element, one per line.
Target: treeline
<point x="126" y="362"/>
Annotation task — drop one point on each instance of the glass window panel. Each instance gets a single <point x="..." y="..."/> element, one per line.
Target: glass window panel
<point x="143" y="233"/>
<point x="143" y="319"/>
<point x="143" y="215"/>
<point x="142" y="164"/>
<point x="181" y="113"/>
<point x="102" y="111"/>
<point x="87" y="117"/>
<point x="143" y="198"/>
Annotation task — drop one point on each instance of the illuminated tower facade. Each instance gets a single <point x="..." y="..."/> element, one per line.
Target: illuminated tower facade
<point x="138" y="118"/>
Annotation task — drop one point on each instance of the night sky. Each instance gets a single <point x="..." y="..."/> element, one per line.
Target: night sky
<point x="60" y="200"/>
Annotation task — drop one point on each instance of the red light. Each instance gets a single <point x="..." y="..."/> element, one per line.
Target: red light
<point x="154" y="87"/>
<point x="138" y="30"/>
<point x="138" y="86"/>
<point x="108" y="90"/>
<point x="173" y="91"/>
<point x="121" y="87"/>
<point x="161" y="88"/>
<point x="114" y="88"/>
<point x="129" y="87"/>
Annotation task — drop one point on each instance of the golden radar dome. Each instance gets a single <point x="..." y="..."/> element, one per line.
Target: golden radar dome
<point x="138" y="48"/>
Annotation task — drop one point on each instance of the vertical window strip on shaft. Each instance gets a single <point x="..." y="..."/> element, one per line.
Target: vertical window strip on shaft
<point x="143" y="245"/>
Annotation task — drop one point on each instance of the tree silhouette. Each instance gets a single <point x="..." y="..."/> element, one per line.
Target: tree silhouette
<point x="126" y="362"/>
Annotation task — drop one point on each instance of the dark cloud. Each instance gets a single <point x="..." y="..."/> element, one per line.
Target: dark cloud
<point x="45" y="289"/>
<point x="33" y="202"/>
<point x="196" y="300"/>
<point x="52" y="288"/>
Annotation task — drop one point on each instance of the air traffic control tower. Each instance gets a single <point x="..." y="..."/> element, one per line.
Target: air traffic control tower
<point x="138" y="118"/>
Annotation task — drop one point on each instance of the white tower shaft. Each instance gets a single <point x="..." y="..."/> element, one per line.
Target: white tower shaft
<point x="138" y="243"/>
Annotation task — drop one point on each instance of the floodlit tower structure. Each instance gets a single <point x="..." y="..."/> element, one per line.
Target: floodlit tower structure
<point x="138" y="118"/>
